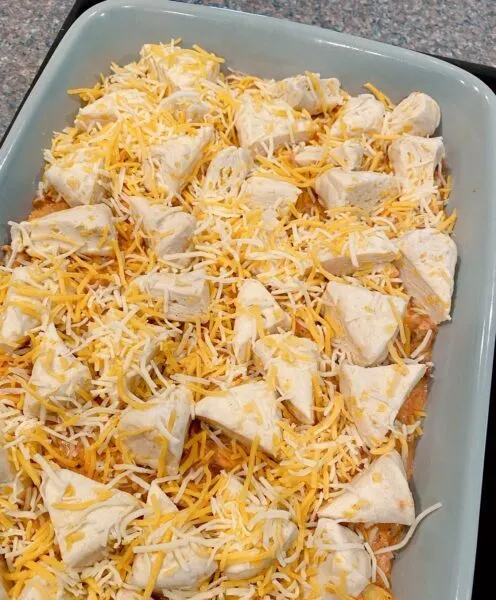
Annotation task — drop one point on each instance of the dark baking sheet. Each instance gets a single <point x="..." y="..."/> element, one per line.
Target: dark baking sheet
<point x="483" y="566"/>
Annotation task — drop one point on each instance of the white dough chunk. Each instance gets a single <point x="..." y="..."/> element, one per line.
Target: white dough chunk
<point x="87" y="230"/>
<point x="57" y="378"/>
<point x="338" y="187"/>
<point x="348" y="155"/>
<point x="380" y="494"/>
<point x="282" y="535"/>
<point x="276" y="534"/>
<point x="169" y="230"/>
<point x="245" y="412"/>
<point x="265" y="125"/>
<point x="86" y="515"/>
<point x="227" y="172"/>
<point x="24" y="306"/>
<point x="176" y="159"/>
<point x="195" y="568"/>
<point x="367" y="247"/>
<point x="181" y="68"/>
<point x="367" y="320"/>
<point x="155" y="436"/>
<point x="416" y="159"/>
<point x="427" y="268"/>
<point x="188" y="103"/>
<point x="185" y="296"/>
<point x="111" y="107"/>
<point x="294" y="362"/>
<point x="37" y="588"/>
<point x="308" y="92"/>
<point x="373" y="396"/>
<point x="7" y="471"/>
<point x="157" y="498"/>
<point x="77" y="183"/>
<point x="269" y="194"/>
<point x="351" y="565"/>
<point x="417" y="114"/>
<point x="255" y="307"/>
<point x="124" y="353"/>
<point x="360" y="114"/>
<point x="182" y="568"/>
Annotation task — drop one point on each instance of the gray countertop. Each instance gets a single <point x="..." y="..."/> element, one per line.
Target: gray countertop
<point x="463" y="29"/>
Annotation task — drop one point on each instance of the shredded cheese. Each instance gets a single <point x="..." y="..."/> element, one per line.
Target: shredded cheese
<point x="131" y="140"/>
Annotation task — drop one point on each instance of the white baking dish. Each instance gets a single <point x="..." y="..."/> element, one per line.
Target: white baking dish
<point x="439" y="562"/>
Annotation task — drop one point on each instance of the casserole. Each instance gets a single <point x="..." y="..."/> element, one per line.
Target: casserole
<point x="450" y="457"/>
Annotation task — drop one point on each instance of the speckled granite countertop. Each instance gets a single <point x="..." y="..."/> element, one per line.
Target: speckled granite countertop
<point x="463" y="29"/>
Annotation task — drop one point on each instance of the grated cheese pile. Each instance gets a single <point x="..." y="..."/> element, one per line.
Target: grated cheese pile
<point x="215" y="338"/>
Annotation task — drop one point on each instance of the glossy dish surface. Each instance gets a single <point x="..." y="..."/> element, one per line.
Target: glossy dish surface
<point x="349" y="77"/>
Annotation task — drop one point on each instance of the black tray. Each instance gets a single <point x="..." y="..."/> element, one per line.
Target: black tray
<point x="484" y="559"/>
